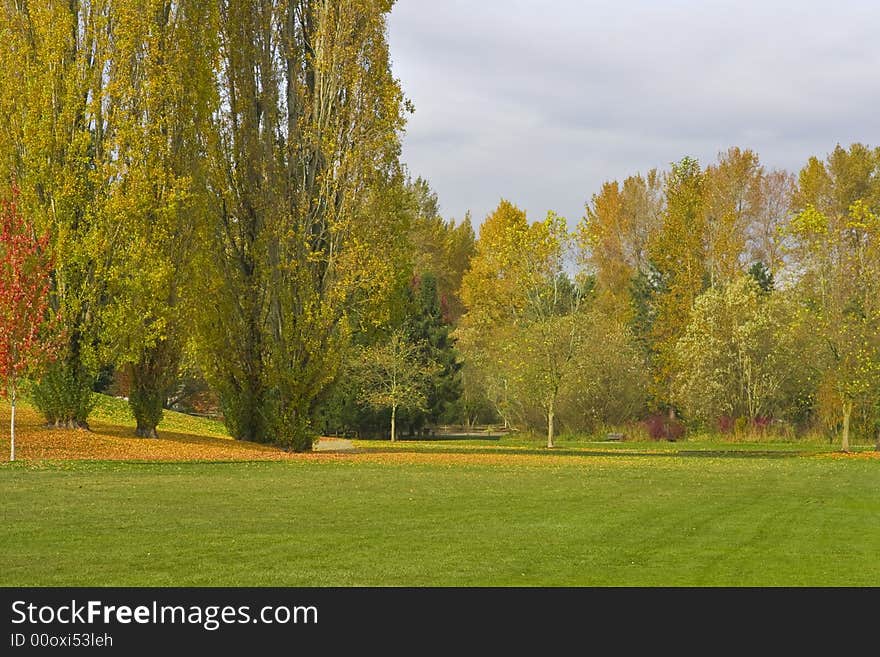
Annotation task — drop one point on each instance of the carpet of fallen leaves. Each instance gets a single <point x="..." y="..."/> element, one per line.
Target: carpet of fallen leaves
<point x="33" y="441"/>
<point x="500" y="459"/>
<point x="111" y="441"/>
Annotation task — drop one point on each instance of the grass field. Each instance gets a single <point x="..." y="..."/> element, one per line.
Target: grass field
<point x="505" y="513"/>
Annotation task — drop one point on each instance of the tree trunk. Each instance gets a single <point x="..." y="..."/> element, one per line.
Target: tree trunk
<point x="151" y="379"/>
<point x="844" y="438"/>
<point x="393" y="420"/>
<point x="550" y="417"/>
<point x="146" y="405"/>
<point x="145" y="431"/>
<point x="69" y="424"/>
<point x="12" y="426"/>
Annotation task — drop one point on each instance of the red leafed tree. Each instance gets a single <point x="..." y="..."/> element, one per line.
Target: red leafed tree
<point x="25" y="323"/>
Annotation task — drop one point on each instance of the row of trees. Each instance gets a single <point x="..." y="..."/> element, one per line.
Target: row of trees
<point x="221" y="192"/>
<point x="221" y="170"/>
<point x="727" y="295"/>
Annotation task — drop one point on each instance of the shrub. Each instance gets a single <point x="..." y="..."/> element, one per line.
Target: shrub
<point x="64" y="396"/>
<point x="762" y="423"/>
<point x="661" y="427"/>
<point x="725" y="424"/>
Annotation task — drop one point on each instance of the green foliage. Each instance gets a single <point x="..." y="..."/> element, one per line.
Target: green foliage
<point x="64" y="395"/>
<point x="397" y="374"/>
<point x="425" y="325"/>
<point x="644" y="291"/>
<point x="762" y="276"/>
<point x="55" y="123"/>
<point x="736" y="354"/>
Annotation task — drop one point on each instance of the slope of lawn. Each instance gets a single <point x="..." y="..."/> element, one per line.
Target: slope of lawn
<point x="117" y="412"/>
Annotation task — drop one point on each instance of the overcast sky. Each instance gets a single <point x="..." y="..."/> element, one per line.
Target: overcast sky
<point x="541" y="101"/>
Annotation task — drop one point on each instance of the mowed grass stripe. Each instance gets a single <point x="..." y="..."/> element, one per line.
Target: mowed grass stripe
<point x="611" y="520"/>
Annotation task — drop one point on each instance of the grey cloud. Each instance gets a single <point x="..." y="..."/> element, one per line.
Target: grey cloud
<point x="540" y="102"/>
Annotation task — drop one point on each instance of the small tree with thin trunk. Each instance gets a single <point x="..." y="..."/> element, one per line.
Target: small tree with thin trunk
<point x="521" y="327"/>
<point x="550" y="320"/>
<point x="25" y="271"/>
<point x="395" y="376"/>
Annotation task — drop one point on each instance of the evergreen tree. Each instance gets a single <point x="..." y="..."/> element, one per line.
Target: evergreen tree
<point x="426" y="326"/>
<point x="762" y="276"/>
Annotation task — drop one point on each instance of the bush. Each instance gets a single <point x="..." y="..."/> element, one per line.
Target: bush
<point x="762" y="423"/>
<point x="64" y="396"/>
<point x="632" y="432"/>
<point x="725" y="424"/>
<point x="661" y="427"/>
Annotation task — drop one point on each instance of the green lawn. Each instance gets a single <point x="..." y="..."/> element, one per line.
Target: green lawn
<point x="578" y="519"/>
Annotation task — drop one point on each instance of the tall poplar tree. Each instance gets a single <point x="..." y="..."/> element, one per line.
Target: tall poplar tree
<point x="53" y="65"/>
<point x="306" y="133"/>
<point x="732" y="188"/>
<point x="678" y="252"/>
<point x="159" y="98"/>
<point x="614" y="235"/>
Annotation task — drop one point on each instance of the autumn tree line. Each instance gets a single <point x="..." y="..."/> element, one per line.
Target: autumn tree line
<point x="726" y="298"/>
<point x="216" y="195"/>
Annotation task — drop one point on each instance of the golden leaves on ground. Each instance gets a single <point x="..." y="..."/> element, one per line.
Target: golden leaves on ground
<point x="34" y="441"/>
